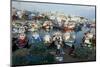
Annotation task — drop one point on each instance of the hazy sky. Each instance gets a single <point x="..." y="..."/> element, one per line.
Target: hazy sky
<point x="85" y="11"/>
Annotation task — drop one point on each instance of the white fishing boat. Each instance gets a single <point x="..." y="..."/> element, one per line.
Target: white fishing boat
<point x="21" y="30"/>
<point x="87" y="41"/>
<point x="47" y="38"/>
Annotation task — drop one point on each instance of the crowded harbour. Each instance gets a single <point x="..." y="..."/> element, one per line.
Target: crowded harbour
<point x="51" y="37"/>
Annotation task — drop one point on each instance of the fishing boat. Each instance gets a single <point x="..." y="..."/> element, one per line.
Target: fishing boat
<point x="34" y="27"/>
<point x="47" y="25"/>
<point x="88" y="37"/>
<point x="68" y="38"/>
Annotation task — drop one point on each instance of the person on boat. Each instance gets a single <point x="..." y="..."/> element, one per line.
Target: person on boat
<point x="34" y="39"/>
<point x="71" y="50"/>
<point x="14" y="46"/>
<point x="22" y="41"/>
<point x="94" y="41"/>
<point x="59" y="45"/>
<point x="78" y="27"/>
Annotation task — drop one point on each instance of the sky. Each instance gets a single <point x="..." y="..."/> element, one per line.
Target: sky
<point x="77" y="10"/>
